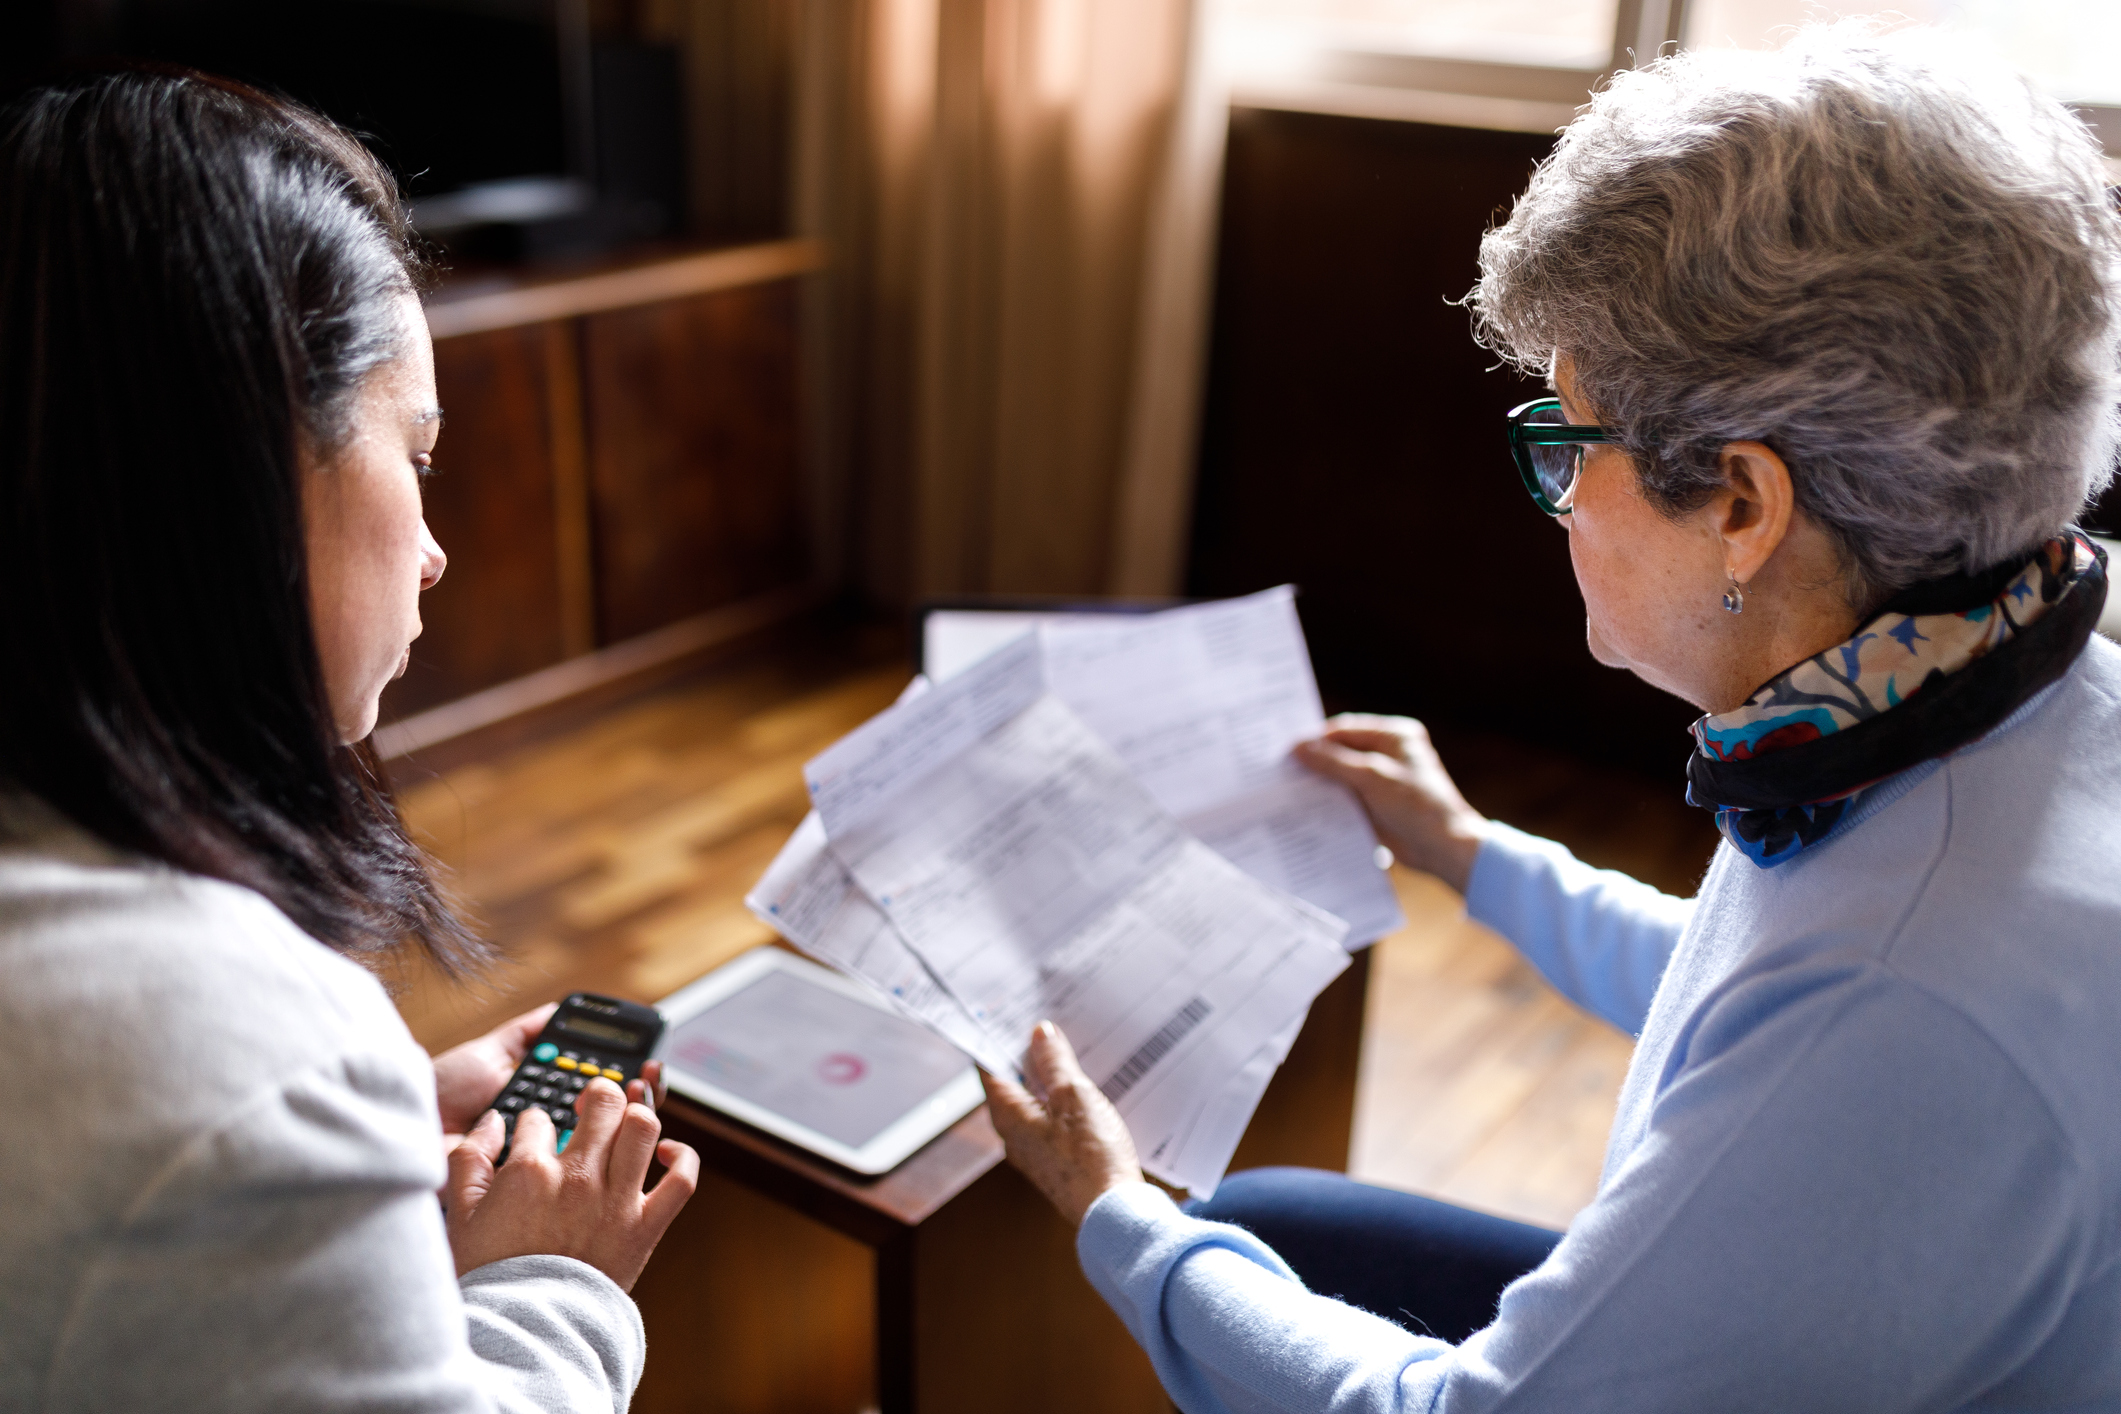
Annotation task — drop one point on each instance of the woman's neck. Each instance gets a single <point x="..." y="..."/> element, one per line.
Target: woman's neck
<point x="1796" y="608"/>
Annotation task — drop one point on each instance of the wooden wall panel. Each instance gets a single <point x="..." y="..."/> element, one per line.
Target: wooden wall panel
<point x="1352" y="440"/>
<point x="695" y="469"/>
<point x="497" y="613"/>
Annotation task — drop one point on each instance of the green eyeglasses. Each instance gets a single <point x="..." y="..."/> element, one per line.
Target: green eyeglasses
<point x="1548" y="450"/>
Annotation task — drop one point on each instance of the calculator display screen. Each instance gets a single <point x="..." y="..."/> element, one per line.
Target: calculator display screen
<point x="591" y="1029"/>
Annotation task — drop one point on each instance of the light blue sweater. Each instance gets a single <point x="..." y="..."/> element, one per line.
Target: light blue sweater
<point x="1867" y="1156"/>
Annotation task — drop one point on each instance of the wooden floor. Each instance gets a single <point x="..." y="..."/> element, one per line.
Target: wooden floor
<point x="616" y="854"/>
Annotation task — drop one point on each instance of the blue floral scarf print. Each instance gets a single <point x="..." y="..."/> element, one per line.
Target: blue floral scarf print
<point x="1936" y="669"/>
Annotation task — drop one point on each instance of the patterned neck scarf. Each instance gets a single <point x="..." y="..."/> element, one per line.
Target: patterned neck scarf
<point x="1939" y="667"/>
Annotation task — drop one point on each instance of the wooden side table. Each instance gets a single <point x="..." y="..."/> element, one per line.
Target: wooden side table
<point x="974" y="1300"/>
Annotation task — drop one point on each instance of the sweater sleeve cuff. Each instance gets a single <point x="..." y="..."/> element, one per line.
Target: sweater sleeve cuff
<point x="561" y="1331"/>
<point x="1133" y="1238"/>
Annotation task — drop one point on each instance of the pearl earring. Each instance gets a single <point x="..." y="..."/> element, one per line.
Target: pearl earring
<point x="1734" y="597"/>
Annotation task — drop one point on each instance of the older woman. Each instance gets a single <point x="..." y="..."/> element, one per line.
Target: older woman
<point x="1834" y="334"/>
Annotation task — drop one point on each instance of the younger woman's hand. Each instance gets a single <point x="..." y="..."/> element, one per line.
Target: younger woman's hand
<point x="1067" y="1139"/>
<point x="1413" y="804"/>
<point x="652" y="1088"/>
<point x="587" y="1203"/>
<point x="469" y="1077"/>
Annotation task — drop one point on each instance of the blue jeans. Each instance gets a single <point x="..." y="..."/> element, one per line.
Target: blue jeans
<point x="1434" y="1268"/>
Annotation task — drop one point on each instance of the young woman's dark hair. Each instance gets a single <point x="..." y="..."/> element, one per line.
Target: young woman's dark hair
<point x="195" y="279"/>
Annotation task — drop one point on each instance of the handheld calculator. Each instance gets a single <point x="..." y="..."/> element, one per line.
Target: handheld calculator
<point x="587" y="1037"/>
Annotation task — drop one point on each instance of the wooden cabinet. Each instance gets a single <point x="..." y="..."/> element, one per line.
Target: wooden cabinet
<point x="491" y="504"/>
<point x="695" y="472"/>
<point x="622" y="455"/>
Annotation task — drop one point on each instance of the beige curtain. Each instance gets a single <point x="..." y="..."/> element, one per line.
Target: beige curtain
<point x="996" y="178"/>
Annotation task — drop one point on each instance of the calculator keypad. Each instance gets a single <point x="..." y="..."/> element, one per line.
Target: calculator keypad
<point x="549" y="1081"/>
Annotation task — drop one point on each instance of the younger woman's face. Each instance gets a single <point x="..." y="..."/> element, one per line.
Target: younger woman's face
<point x="369" y="551"/>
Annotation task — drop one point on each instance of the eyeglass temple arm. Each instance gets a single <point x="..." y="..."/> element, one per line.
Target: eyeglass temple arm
<point x="1557" y="434"/>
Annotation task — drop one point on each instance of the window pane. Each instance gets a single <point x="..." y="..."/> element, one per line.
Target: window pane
<point x="1562" y="34"/>
<point x="2067" y="46"/>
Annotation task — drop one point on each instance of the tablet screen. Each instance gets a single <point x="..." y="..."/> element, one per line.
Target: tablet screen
<point x="826" y="1061"/>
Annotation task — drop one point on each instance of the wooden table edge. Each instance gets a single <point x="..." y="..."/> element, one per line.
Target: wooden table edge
<point x="874" y="1211"/>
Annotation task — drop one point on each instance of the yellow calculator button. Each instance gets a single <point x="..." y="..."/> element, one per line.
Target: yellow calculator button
<point x="614" y="1075"/>
<point x="564" y="1063"/>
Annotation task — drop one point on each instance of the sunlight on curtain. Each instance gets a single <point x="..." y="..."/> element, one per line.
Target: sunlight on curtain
<point x="987" y="173"/>
<point x="2072" y="48"/>
<point x="1562" y="34"/>
<point x="903" y="60"/>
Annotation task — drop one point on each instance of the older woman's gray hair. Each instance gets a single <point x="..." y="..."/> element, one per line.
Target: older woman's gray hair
<point x="1898" y="269"/>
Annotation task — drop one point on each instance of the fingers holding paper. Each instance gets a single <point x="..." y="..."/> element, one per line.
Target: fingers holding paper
<point x="1411" y="799"/>
<point x="1061" y="1133"/>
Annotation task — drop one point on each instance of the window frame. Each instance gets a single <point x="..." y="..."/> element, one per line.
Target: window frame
<point x="1360" y="82"/>
<point x="1378" y="83"/>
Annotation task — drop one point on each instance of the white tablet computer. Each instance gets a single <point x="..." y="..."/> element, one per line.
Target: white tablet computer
<point x="818" y="1060"/>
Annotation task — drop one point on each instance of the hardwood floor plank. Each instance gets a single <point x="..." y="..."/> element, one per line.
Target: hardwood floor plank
<point x="1543" y="1166"/>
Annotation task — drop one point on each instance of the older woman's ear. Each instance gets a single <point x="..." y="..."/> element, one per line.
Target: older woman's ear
<point x="1752" y="513"/>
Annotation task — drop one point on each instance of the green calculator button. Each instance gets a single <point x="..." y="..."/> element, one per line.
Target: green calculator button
<point x="544" y="1051"/>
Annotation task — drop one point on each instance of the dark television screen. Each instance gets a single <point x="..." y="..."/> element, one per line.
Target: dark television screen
<point x="451" y="92"/>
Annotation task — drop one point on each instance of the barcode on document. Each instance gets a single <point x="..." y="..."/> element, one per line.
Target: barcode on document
<point x="1155" y="1049"/>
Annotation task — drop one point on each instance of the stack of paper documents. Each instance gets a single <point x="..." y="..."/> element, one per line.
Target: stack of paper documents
<point x="1099" y="824"/>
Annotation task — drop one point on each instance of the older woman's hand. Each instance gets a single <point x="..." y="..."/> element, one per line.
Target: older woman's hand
<point x="1067" y="1139"/>
<point x="1416" y="809"/>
